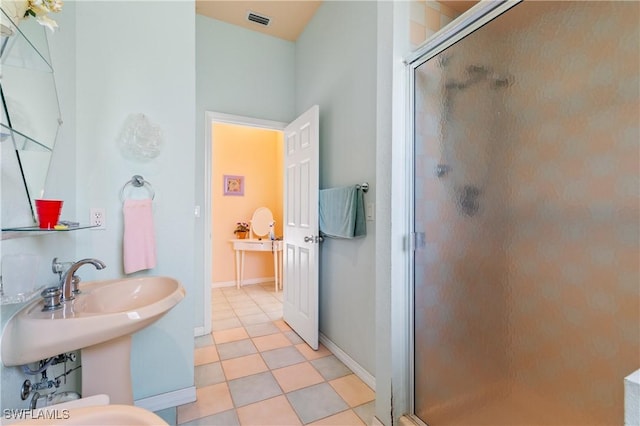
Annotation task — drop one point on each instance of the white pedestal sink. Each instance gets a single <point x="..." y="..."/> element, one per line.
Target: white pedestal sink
<point x="99" y="321"/>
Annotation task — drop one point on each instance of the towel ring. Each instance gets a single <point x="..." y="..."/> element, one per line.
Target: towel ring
<point x="137" y="181"/>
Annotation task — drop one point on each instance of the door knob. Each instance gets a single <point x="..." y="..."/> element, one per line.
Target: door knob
<point x="313" y="239"/>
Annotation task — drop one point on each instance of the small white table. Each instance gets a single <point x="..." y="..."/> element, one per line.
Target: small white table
<point x="242" y="245"/>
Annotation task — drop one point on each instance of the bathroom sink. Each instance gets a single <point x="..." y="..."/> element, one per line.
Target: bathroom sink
<point x="104" y="310"/>
<point x="101" y="415"/>
<point x="127" y="295"/>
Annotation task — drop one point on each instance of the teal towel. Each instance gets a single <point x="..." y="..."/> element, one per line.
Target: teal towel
<point x="342" y="212"/>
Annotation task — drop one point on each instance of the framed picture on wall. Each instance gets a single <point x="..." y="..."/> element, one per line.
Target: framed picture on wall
<point x="233" y="185"/>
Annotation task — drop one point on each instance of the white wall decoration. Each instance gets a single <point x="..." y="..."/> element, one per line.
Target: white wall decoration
<point x="140" y="139"/>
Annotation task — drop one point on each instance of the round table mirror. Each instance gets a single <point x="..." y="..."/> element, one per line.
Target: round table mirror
<point x="261" y="220"/>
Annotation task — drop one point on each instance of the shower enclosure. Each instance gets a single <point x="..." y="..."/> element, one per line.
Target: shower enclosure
<point x="526" y="207"/>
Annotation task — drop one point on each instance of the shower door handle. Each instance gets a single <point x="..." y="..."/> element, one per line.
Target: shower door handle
<point x="418" y="241"/>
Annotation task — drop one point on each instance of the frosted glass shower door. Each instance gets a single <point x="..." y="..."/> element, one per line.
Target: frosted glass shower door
<point x="526" y="289"/>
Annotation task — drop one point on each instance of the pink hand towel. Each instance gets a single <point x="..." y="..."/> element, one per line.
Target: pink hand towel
<point x="139" y="241"/>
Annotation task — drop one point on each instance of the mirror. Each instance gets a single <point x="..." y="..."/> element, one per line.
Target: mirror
<point x="261" y="221"/>
<point x="30" y="110"/>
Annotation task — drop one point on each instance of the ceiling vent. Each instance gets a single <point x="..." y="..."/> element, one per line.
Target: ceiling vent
<point x="258" y="19"/>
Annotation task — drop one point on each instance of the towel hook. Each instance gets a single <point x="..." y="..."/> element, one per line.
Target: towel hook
<point x="364" y="186"/>
<point x="137" y="181"/>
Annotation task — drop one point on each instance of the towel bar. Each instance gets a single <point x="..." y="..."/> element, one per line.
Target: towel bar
<point x="137" y="181"/>
<point x="364" y="186"/>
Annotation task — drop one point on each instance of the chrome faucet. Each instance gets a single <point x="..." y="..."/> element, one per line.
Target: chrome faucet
<point x="68" y="278"/>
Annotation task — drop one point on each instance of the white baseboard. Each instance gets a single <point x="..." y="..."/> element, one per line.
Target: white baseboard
<point x="222" y="284"/>
<point x="167" y="400"/>
<point x="202" y="330"/>
<point x="359" y="371"/>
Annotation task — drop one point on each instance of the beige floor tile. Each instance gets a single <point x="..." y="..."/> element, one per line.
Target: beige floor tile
<point x="297" y="376"/>
<point x="254" y="288"/>
<point x="353" y="390"/>
<point x="275" y="411"/>
<point x="208" y="374"/>
<point x="271" y="341"/>
<point x="233" y="292"/>
<point x="254" y="319"/>
<point x="274" y="306"/>
<point x="282" y="325"/>
<point x="205" y="355"/>
<point x="220" y="305"/>
<point x="225" y="324"/>
<point x="346" y="418"/>
<point x="210" y="400"/>
<point x="267" y="285"/>
<point x="222" y="314"/>
<point x="275" y="316"/>
<point x="291" y="377"/>
<point x="240" y="301"/>
<point x="243" y="366"/>
<point x="230" y="335"/>
<point x="248" y="310"/>
<point x="265" y="299"/>
<point x="366" y="412"/>
<point x="202" y="341"/>
<point x="310" y="353"/>
<point x="257" y="330"/>
<point x="244" y="305"/>
<point x="293" y="337"/>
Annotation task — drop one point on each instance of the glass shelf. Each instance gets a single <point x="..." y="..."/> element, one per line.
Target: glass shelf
<point x="36" y="228"/>
<point x="8" y="233"/>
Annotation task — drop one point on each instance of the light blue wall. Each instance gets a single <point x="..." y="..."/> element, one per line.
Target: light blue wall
<point x="241" y="72"/>
<point x="336" y="69"/>
<point x="139" y="57"/>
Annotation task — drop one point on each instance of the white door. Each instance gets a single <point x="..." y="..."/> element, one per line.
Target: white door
<point x="301" y="236"/>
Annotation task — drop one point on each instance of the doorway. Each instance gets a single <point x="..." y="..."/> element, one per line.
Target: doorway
<point x="251" y="149"/>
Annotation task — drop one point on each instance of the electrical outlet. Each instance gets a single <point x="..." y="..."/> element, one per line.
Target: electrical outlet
<point x="98" y="218"/>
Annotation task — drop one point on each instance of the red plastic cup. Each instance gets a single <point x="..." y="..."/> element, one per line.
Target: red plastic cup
<point x="48" y="213"/>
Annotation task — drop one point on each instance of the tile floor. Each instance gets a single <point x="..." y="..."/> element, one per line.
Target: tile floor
<point x="254" y="370"/>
